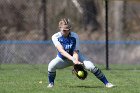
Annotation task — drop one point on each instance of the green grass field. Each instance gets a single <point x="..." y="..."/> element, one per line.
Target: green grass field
<point x="19" y="78"/>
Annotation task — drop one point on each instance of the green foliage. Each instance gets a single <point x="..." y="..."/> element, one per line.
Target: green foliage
<point x="23" y="78"/>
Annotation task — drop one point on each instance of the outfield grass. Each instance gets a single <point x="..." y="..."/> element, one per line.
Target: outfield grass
<point x="19" y="78"/>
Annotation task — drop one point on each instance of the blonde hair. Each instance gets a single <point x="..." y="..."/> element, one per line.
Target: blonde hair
<point x="64" y="23"/>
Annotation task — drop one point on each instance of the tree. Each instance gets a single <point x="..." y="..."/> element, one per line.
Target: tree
<point x="90" y="10"/>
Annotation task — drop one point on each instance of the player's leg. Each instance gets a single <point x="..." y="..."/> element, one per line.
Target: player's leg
<point x="56" y="63"/>
<point x="95" y="70"/>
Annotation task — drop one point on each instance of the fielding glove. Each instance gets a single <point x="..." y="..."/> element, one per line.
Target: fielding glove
<point x="79" y="68"/>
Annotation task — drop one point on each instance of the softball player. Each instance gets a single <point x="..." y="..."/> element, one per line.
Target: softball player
<point x="67" y="45"/>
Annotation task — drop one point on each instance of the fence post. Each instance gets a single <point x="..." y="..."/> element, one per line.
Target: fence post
<point x="44" y="3"/>
<point x="107" y="37"/>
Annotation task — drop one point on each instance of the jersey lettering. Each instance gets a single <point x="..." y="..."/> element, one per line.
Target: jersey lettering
<point x="68" y="46"/>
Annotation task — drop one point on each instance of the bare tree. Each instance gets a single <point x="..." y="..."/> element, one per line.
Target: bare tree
<point x="89" y="10"/>
<point x="118" y="12"/>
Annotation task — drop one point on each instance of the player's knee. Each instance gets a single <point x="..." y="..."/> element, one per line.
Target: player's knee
<point x="51" y="67"/>
<point x="96" y="69"/>
<point x="89" y="65"/>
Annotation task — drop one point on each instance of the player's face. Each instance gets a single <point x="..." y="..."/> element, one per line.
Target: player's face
<point x="65" y="32"/>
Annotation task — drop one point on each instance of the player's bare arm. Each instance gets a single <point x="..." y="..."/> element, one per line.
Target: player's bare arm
<point x="76" y="56"/>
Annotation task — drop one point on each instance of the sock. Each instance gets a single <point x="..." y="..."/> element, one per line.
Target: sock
<point x="97" y="72"/>
<point x="51" y="77"/>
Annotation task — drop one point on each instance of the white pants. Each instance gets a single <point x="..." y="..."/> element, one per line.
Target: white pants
<point x="59" y="63"/>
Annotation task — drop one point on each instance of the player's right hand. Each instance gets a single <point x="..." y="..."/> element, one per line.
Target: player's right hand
<point x="78" y="62"/>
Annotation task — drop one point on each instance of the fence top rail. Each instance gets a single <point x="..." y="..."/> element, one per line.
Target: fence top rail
<point x="81" y="42"/>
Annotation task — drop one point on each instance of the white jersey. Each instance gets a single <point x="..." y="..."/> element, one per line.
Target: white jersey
<point x="70" y="43"/>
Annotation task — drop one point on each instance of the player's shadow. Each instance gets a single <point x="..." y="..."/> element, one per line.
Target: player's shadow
<point x="86" y="86"/>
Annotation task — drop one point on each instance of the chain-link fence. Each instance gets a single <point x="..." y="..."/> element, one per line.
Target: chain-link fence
<point x="124" y="20"/>
<point x="24" y="20"/>
<point x="20" y="20"/>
